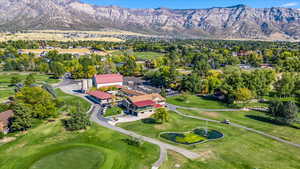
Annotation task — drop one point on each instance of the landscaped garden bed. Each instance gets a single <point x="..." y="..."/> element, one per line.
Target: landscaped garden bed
<point x="112" y="111"/>
<point x="194" y="137"/>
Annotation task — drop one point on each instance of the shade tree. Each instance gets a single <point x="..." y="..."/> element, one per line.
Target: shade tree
<point x="161" y="115"/>
<point x="283" y="112"/>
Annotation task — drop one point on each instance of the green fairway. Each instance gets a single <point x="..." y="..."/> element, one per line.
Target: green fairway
<point x="78" y="157"/>
<point x="139" y="55"/>
<point x="198" y="102"/>
<point x="72" y="103"/>
<point x="253" y="119"/>
<point x="6" y="90"/>
<point x="5" y="93"/>
<point x="238" y="149"/>
<point x="281" y="98"/>
<point x="40" y="78"/>
<point x="50" y="146"/>
<point x="147" y="55"/>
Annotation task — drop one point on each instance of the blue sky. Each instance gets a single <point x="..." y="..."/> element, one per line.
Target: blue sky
<point x="183" y="4"/>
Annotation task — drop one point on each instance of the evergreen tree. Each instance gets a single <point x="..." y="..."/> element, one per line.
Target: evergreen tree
<point x="163" y="92"/>
<point x="57" y="69"/>
<point x="77" y="121"/>
<point x="15" y="80"/>
<point x="22" y="119"/>
<point x="191" y="83"/>
<point x="283" y="112"/>
<point x="30" y="80"/>
<point x="286" y="85"/>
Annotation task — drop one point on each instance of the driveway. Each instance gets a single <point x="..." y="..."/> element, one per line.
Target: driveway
<point x="70" y="87"/>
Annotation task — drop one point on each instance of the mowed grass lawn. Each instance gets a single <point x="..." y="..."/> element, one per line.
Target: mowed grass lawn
<point x="239" y="149"/>
<point x="5" y="77"/>
<point x="89" y="157"/>
<point x="50" y="146"/>
<point x="253" y="119"/>
<point x="197" y="102"/>
<point x="112" y="111"/>
<point x="139" y="55"/>
<point x="72" y="103"/>
<point x="147" y="55"/>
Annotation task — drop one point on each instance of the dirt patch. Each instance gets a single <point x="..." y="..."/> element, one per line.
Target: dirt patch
<point x="21" y="133"/>
<point x="211" y="114"/>
<point x="179" y="158"/>
<point x="7" y="140"/>
<point x="16" y="147"/>
<point x="175" y="160"/>
<point x="205" y="155"/>
<point x="160" y="127"/>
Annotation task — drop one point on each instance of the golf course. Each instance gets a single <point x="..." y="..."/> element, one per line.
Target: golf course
<point x="49" y="146"/>
<point x="232" y="151"/>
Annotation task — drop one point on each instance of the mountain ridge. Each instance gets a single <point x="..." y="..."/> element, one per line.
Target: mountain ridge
<point x="234" y="22"/>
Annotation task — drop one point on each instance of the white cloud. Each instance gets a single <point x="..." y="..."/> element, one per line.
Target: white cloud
<point x="290" y="4"/>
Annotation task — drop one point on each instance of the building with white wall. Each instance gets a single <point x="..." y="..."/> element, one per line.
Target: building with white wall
<point x="107" y="80"/>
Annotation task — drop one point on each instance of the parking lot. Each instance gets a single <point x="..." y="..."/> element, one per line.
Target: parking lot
<point x="139" y="84"/>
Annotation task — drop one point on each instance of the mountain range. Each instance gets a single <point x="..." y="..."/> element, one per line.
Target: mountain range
<point x="235" y="22"/>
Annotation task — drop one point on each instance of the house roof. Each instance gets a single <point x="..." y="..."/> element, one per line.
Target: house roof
<point x="100" y="95"/>
<point x="157" y="106"/>
<point x="152" y="97"/>
<point x="144" y="103"/>
<point x="132" y="92"/>
<point x="5" y="116"/>
<point x="108" y="78"/>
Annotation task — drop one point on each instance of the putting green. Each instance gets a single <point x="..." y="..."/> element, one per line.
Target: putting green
<point x="81" y="157"/>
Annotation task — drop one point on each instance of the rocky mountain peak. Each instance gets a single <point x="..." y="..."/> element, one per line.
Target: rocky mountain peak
<point x="235" y="22"/>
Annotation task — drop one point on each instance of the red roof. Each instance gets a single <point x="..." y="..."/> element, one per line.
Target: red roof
<point x="108" y="78"/>
<point x="100" y="94"/>
<point x="158" y="106"/>
<point x="144" y="103"/>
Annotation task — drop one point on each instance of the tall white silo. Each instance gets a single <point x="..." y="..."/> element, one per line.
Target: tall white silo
<point x="84" y="85"/>
<point x="89" y="83"/>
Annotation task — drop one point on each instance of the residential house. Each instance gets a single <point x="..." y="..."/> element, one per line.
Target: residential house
<point x="143" y="103"/>
<point x="266" y="66"/>
<point x="107" y="80"/>
<point x="244" y="53"/>
<point x="4" y="120"/>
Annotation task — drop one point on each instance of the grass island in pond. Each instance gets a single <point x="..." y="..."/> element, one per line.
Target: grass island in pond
<point x="193" y="137"/>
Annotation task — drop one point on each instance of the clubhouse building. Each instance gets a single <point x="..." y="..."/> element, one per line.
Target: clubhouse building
<point x="143" y="103"/>
<point x="108" y="80"/>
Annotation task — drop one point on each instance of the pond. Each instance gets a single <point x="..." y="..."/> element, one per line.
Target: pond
<point x="192" y="137"/>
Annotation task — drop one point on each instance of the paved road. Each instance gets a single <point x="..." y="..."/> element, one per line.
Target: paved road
<point x="69" y="87"/>
<point x="200" y="109"/>
<point x="174" y="108"/>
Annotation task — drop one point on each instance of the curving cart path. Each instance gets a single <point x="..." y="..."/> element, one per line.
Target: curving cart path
<point x="174" y="108"/>
<point x="70" y="87"/>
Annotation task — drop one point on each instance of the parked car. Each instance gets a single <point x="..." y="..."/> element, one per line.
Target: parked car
<point x="226" y="121"/>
